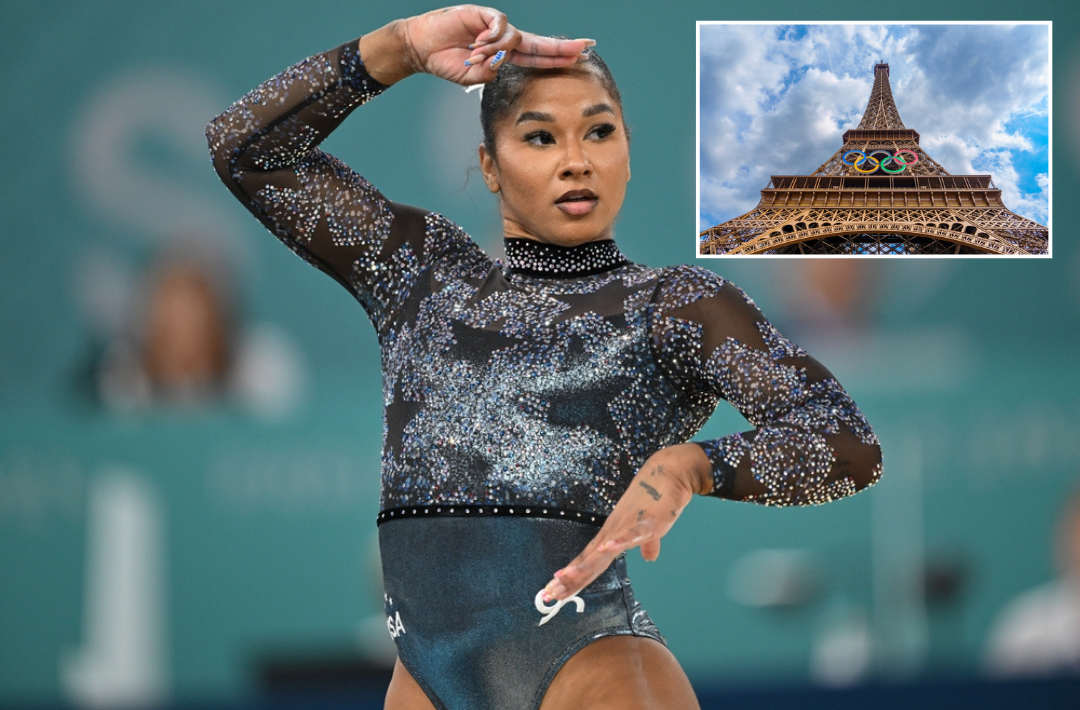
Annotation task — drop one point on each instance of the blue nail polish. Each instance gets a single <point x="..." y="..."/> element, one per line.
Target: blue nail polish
<point x="468" y="63"/>
<point x="498" y="57"/>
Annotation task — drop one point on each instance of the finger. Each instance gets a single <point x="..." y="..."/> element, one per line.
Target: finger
<point x="476" y="59"/>
<point x="638" y="534"/>
<point x="538" y="61"/>
<point x="489" y="61"/>
<point x="539" y="51"/>
<point x="526" y="49"/>
<point x="596" y="558"/>
<point x="496" y="27"/>
<point x="577" y="575"/>
<point x="497" y="59"/>
<point x="560" y="586"/>
<point x="650" y="550"/>
<point x="505" y="45"/>
<point x="495" y="49"/>
<point x="553" y="46"/>
<point x="608" y="544"/>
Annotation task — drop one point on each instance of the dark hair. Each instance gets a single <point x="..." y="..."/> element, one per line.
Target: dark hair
<point x="510" y="83"/>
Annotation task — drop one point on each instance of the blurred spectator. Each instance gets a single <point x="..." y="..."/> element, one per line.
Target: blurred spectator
<point x="1038" y="632"/>
<point x="188" y="343"/>
<point x="177" y="340"/>
<point x="832" y="298"/>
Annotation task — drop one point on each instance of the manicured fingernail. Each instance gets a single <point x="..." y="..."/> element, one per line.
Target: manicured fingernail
<point x="558" y="574"/>
<point x="590" y="43"/>
<point x="498" y="57"/>
<point x="468" y="63"/>
<point x="554" y="588"/>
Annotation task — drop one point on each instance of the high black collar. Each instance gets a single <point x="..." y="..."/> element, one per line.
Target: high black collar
<point x="533" y="258"/>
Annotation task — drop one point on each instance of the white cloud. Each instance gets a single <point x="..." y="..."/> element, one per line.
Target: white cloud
<point x="1032" y="205"/>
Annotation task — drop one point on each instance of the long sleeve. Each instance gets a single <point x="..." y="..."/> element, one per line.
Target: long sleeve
<point x="811" y="443"/>
<point x="265" y="149"/>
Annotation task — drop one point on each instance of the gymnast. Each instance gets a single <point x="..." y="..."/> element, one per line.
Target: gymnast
<point x="538" y="409"/>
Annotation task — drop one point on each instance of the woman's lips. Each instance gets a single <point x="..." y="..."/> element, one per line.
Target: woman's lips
<point x="577" y="202"/>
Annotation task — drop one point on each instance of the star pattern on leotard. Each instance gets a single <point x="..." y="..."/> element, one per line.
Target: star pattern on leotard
<point x="551" y="380"/>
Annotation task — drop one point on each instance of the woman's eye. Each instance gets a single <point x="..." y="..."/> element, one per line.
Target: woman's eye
<point x="603" y="130"/>
<point x="540" y="138"/>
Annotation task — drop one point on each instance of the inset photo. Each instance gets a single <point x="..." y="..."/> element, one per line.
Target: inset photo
<point x="874" y="139"/>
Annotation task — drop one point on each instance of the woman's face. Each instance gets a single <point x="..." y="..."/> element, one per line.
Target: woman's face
<point x="562" y="161"/>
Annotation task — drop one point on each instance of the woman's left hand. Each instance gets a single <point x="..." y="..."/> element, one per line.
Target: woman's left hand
<point x="465" y="44"/>
<point x="647" y="510"/>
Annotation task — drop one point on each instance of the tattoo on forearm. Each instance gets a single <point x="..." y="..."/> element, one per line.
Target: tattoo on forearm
<point x="653" y="493"/>
<point x="657" y="471"/>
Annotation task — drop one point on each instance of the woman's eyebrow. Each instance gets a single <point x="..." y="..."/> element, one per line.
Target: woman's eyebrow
<point x="548" y="118"/>
<point x="535" y="116"/>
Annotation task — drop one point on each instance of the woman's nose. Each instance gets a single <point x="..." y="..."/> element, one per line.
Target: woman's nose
<point x="575" y="160"/>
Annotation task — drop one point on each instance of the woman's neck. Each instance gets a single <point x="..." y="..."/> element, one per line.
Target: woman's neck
<point x="533" y="258"/>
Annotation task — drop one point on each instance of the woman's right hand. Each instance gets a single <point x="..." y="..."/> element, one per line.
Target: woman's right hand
<point x="463" y="44"/>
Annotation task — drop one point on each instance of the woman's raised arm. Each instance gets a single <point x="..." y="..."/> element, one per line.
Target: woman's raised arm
<point x="265" y="149"/>
<point x="265" y="146"/>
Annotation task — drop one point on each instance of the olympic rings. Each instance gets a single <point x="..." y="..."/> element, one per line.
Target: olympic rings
<point x="865" y="159"/>
<point x="891" y="158"/>
<point x="881" y="162"/>
<point x="914" y="156"/>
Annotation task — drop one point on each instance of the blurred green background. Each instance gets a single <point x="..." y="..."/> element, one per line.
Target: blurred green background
<point x="243" y="526"/>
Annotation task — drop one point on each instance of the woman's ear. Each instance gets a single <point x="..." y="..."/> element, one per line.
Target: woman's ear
<point x="488" y="169"/>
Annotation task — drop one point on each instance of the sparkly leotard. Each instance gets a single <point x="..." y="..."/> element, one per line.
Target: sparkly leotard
<point x="534" y="388"/>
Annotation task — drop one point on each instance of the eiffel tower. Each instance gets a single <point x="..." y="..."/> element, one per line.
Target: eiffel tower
<point x="879" y="194"/>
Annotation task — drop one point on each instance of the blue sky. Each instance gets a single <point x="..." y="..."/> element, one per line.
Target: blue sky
<point x="775" y="99"/>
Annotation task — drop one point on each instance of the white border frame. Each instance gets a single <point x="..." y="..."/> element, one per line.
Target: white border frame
<point x="1049" y="138"/>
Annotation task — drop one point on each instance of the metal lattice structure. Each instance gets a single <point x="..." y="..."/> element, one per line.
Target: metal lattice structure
<point x="881" y="113"/>
<point x="914" y="207"/>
